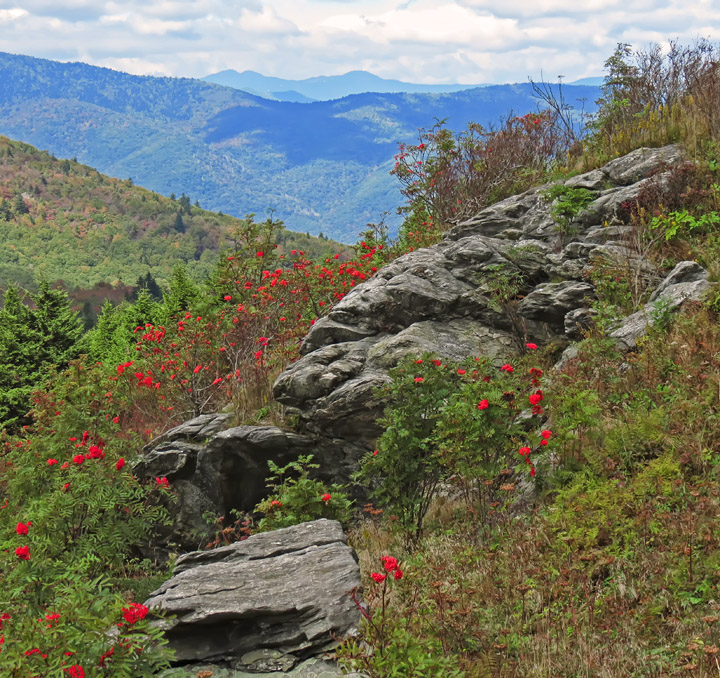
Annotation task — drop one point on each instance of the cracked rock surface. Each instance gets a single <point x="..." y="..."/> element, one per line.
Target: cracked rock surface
<point x="263" y="604"/>
<point x="440" y="299"/>
<point x="271" y="605"/>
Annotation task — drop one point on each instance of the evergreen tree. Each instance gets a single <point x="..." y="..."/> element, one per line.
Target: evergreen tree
<point x="179" y="224"/>
<point x="57" y="324"/>
<point x="31" y="341"/>
<point x="114" y="335"/>
<point x="143" y="311"/>
<point x="5" y="212"/>
<point x="88" y="315"/>
<point x="184" y="204"/>
<point x="18" y="366"/>
<point x="19" y="206"/>
<point x="147" y="282"/>
<point x="102" y="337"/>
<point x="183" y="293"/>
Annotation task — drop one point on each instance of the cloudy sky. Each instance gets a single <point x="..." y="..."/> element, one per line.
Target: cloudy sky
<point x="431" y="41"/>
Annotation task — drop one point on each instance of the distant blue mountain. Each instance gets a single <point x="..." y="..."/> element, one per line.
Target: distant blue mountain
<point x="289" y="95"/>
<point x="321" y="166"/>
<point x="596" y="81"/>
<point x="326" y="87"/>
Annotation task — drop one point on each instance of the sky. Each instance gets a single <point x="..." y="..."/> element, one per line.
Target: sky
<point x="428" y="41"/>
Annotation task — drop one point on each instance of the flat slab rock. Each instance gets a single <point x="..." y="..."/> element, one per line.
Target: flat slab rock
<point x="263" y="604"/>
<point x="312" y="668"/>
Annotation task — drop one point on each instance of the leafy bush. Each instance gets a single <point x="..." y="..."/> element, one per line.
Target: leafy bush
<point x="657" y="96"/>
<point x="390" y="648"/>
<point x="72" y="520"/>
<point x="681" y="223"/>
<point x="296" y="498"/>
<point x="445" y="422"/>
<point x="566" y="204"/>
<point x="447" y="178"/>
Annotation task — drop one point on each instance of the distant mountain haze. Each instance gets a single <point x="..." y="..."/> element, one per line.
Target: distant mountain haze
<point x="324" y="87"/>
<point x="320" y="166"/>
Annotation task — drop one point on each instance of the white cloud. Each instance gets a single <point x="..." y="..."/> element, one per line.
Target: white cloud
<point x="531" y="8"/>
<point x="137" y="66"/>
<point x="265" y="22"/>
<point x="7" y="15"/>
<point x="468" y="41"/>
<point x="444" y="24"/>
<point x="72" y="10"/>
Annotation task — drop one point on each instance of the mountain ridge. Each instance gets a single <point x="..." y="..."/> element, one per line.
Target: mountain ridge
<point x="325" y="87"/>
<point x="328" y="87"/>
<point x="236" y="152"/>
<point x="64" y="222"/>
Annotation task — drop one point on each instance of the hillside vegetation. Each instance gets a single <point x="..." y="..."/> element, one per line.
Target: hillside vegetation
<point x="64" y="222"/>
<point x="579" y="540"/>
<point x="584" y="540"/>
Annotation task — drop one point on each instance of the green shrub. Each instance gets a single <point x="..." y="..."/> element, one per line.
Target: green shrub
<point x="296" y="498"/>
<point x="447" y="421"/>
<point x="391" y="647"/>
<point x="681" y="223"/>
<point x="566" y="204"/>
<point x="72" y="519"/>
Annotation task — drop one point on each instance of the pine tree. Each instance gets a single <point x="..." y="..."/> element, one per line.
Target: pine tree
<point x="184" y="204"/>
<point x="19" y="206"/>
<point x="88" y="315"/>
<point x="179" y="224"/>
<point x="31" y="341"/>
<point x="102" y="337"/>
<point x="147" y="282"/>
<point x="57" y="324"/>
<point x="114" y="335"/>
<point x="18" y="365"/>
<point x="182" y="295"/>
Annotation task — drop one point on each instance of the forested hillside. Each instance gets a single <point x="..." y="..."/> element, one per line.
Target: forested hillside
<point x="64" y="222"/>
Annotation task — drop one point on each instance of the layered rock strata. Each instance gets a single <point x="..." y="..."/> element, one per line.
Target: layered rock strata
<point x="264" y="604"/>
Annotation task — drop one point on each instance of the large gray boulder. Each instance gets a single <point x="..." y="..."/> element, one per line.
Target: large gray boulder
<point x="505" y="277"/>
<point x="263" y="604"/>
<point x="508" y="275"/>
<point x="311" y="668"/>
<point x="214" y="470"/>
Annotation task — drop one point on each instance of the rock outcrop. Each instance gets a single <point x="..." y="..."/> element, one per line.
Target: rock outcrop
<point x="213" y="470"/>
<point x="447" y="299"/>
<point x="312" y="668"/>
<point x="265" y="604"/>
<point x="688" y="281"/>
<point x="451" y="300"/>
